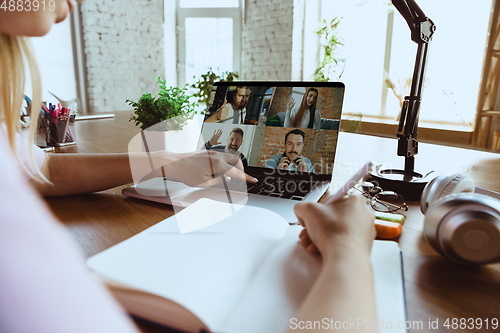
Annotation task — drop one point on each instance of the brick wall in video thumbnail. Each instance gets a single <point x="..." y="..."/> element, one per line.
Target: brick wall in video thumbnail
<point x="319" y="146"/>
<point x="280" y="100"/>
<point x="330" y="102"/>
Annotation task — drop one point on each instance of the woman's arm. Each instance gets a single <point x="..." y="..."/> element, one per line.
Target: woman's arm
<point x="317" y="119"/>
<point x="72" y="174"/>
<point x="342" y="233"/>
<point x="289" y="113"/>
<point x="288" y="118"/>
<point x="44" y="283"/>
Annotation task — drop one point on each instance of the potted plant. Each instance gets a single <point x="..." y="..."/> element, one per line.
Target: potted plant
<point x="207" y="80"/>
<point x="163" y="119"/>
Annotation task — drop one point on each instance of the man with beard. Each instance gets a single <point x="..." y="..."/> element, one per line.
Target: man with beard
<point x="291" y="159"/>
<point x="234" y="112"/>
<point x="234" y="142"/>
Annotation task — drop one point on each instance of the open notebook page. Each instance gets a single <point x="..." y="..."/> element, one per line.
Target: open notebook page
<point x="283" y="281"/>
<point x="206" y="270"/>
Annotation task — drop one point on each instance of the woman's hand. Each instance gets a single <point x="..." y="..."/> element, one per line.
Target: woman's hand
<point x="291" y="103"/>
<point x="342" y="232"/>
<point x="205" y="168"/>
<point x="329" y="227"/>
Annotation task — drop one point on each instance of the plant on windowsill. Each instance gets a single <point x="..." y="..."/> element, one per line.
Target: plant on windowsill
<point x="400" y="89"/>
<point x="207" y="80"/>
<point x="332" y="66"/>
<point x="171" y="110"/>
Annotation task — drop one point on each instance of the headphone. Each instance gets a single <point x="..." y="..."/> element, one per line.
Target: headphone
<point x="459" y="224"/>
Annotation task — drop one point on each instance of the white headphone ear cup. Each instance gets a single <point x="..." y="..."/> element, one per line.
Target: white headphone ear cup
<point x="465" y="227"/>
<point x="442" y="186"/>
<point x="457" y="184"/>
<point x="427" y="193"/>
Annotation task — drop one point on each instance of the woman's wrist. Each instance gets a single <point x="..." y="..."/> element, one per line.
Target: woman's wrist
<point x="164" y="159"/>
<point x="346" y="247"/>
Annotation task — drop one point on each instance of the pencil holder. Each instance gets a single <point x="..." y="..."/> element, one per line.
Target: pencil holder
<point x="61" y="131"/>
<point x="42" y="132"/>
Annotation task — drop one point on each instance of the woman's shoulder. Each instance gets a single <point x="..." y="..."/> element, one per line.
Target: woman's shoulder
<point x="22" y="151"/>
<point x="317" y="113"/>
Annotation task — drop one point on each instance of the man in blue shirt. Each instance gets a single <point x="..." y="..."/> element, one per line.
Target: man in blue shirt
<point x="291" y="159"/>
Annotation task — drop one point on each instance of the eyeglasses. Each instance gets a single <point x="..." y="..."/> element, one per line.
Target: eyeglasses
<point x="380" y="200"/>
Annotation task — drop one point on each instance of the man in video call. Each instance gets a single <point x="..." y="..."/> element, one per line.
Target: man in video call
<point x="234" y="141"/>
<point x="291" y="159"/>
<point x="234" y="112"/>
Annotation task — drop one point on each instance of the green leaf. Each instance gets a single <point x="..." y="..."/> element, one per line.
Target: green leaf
<point x="171" y="102"/>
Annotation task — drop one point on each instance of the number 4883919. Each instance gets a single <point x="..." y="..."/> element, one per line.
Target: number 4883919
<point x="27" y="5"/>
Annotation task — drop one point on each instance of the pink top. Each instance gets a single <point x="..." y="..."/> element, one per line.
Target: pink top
<point x="22" y="146"/>
<point x="44" y="284"/>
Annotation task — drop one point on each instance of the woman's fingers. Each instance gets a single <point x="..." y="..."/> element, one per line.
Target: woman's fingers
<point x="307" y="243"/>
<point x="312" y="249"/>
<point x="305" y="240"/>
<point x="236" y="173"/>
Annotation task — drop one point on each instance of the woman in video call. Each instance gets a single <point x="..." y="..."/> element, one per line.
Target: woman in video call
<point x="305" y="115"/>
<point x="44" y="284"/>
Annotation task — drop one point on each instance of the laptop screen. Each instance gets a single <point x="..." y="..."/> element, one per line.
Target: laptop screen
<point x="278" y="125"/>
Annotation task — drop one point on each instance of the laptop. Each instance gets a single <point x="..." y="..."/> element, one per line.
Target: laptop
<point x="285" y="134"/>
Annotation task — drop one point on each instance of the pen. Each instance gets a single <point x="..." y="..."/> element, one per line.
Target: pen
<point x="46" y="111"/>
<point x="362" y="175"/>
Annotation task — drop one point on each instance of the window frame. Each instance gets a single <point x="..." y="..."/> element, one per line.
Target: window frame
<point x="182" y="14"/>
<point x="389" y="121"/>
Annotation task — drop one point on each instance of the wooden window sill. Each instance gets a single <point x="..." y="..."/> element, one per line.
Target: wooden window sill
<point x="454" y="135"/>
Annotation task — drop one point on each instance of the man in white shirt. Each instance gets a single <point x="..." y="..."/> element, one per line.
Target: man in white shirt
<point x="235" y="112"/>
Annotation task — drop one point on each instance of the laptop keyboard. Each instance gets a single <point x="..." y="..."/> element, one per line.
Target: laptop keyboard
<point x="279" y="188"/>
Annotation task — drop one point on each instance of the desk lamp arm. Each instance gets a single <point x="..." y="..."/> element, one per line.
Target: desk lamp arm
<point x="422" y="29"/>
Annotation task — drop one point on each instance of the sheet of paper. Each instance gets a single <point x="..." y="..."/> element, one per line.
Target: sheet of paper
<point x="282" y="283"/>
<point x="277" y="290"/>
<point x="205" y="270"/>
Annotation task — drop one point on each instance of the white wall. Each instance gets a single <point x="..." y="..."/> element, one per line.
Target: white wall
<point x="170" y="48"/>
<point x="54" y="54"/>
<point x="123" y="45"/>
<point x="267" y="40"/>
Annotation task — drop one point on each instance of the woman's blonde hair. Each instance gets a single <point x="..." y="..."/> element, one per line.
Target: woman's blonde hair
<point x="16" y="54"/>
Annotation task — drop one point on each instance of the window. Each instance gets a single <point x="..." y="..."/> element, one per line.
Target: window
<point x="376" y="38"/>
<point x="207" y="4"/>
<point x="54" y="55"/>
<point x="208" y="36"/>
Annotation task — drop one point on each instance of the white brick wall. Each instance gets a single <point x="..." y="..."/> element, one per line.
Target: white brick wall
<point x="268" y="38"/>
<point x="123" y="45"/>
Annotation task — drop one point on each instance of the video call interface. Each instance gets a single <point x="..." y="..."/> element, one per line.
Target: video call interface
<point x="288" y="128"/>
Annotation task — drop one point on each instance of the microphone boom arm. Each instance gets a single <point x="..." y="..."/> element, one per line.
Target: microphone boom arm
<point x="422" y="29"/>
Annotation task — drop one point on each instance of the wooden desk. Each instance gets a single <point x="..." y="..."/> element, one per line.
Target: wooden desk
<point x="435" y="287"/>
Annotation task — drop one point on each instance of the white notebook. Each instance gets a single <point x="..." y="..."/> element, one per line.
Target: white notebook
<point x="245" y="273"/>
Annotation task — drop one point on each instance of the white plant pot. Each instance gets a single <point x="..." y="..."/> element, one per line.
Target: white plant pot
<point x="177" y="141"/>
